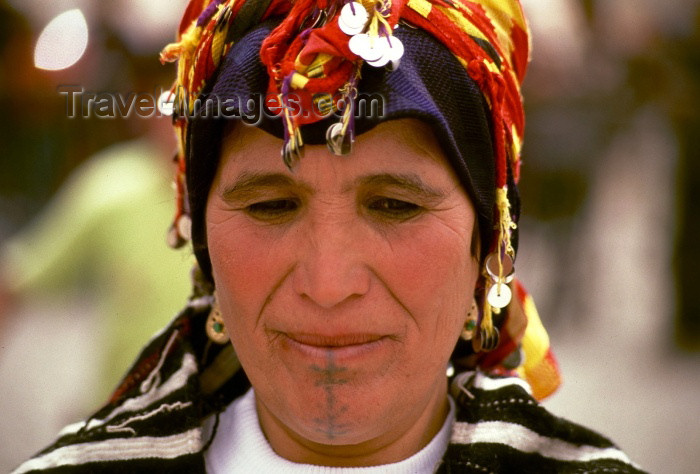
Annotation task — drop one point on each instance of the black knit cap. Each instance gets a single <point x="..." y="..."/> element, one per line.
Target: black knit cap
<point x="429" y="85"/>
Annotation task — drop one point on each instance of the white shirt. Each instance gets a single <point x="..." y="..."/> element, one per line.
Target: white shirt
<point x="239" y="446"/>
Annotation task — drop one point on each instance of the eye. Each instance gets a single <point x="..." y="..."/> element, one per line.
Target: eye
<point x="273" y="210"/>
<point x="393" y="208"/>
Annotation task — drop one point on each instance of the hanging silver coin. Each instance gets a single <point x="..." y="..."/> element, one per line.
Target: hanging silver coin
<point x="499" y="296"/>
<point x="381" y="62"/>
<point x="174" y="239"/>
<point x="339" y="143"/>
<point x="184" y="227"/>
<point x="315" y="20"/>
<point x="353" y="18"/>
<point x="392" y="51"/>
<point x="292" y="153"/>
<point x="491" y="265"/>
<point x="368" y="49"/>
<point x="396" y="48"/>
<point x="489" y="339"/>
<point x="393" y="65"/>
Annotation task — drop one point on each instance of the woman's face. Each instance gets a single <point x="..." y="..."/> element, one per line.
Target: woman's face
<point x="343" y="285"/>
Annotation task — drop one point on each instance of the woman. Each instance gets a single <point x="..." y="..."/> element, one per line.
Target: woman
<point x="354" y="272"/>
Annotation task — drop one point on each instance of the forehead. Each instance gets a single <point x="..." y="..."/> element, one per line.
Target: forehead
<point x="397" y="146"/>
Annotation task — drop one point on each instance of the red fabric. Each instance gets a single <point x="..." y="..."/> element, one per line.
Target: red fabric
<point x="192" y="12"/>
<point x="329" y="40"/>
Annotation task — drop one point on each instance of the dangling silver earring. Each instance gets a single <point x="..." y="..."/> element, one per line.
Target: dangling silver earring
<point x="216" y="331"/>
<point x="501" y="272"/>
<point x="498" y="271"/>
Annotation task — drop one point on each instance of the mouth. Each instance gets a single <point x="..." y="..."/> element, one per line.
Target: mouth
<point x="341" y="340"/>
<point x="340" y="346"/>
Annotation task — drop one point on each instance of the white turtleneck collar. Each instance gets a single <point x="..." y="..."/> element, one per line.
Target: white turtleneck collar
<point x="239" y="446"/>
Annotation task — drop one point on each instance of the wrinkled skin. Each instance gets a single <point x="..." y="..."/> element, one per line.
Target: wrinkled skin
<point x="344" y="286"/>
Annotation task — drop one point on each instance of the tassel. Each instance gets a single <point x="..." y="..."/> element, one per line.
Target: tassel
<point x="185" y="47"/>
<point x="497" y="292"/>
<point x="505" y="228"/>
<point x="488" y="335"/>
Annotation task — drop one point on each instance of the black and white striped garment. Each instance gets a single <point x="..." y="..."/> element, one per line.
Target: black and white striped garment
<point x="153" y="422"/>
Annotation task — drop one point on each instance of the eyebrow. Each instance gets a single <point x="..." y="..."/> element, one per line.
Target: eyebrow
<point x="410" y="182"/>
<point x="247" y="182"/>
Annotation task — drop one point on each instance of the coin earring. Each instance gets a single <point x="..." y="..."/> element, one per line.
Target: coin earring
<point x="498" y="272"/>
<point x="216" y="331"/>
<point x="471" y="321"/>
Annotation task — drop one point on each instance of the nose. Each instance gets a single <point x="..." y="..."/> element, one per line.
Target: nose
<point x="331" y="266"/>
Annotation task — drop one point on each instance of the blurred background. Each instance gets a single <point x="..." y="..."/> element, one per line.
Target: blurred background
<point x="610" y="185"/>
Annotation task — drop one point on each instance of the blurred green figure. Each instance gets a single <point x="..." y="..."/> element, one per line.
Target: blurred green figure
<point x="101" y="242"/>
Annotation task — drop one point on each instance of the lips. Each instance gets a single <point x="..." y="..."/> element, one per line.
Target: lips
<point x="341" y="340"/>
<point x="346" y="347"/>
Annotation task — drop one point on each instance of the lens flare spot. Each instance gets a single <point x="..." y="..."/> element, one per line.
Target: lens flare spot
<point x="62" y="42"/>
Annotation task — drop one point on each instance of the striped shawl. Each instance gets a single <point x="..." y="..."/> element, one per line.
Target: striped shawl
<point x="153" y="421"/>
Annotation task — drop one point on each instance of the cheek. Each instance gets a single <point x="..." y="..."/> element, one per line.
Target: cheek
<point x="247" y="264"/>
<point x="433" y="274"/>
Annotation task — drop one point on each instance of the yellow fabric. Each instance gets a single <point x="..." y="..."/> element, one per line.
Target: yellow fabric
<point x="535" y="341"/>
<point x="539" y="367"/>
<point x="421" y="7"/>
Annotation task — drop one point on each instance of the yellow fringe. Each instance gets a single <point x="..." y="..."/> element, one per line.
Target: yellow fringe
<point x="487" y="319"/>
<point x="505" y="224"/>
<point x="187" y="44"/>
<point x="374" y="6"/>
